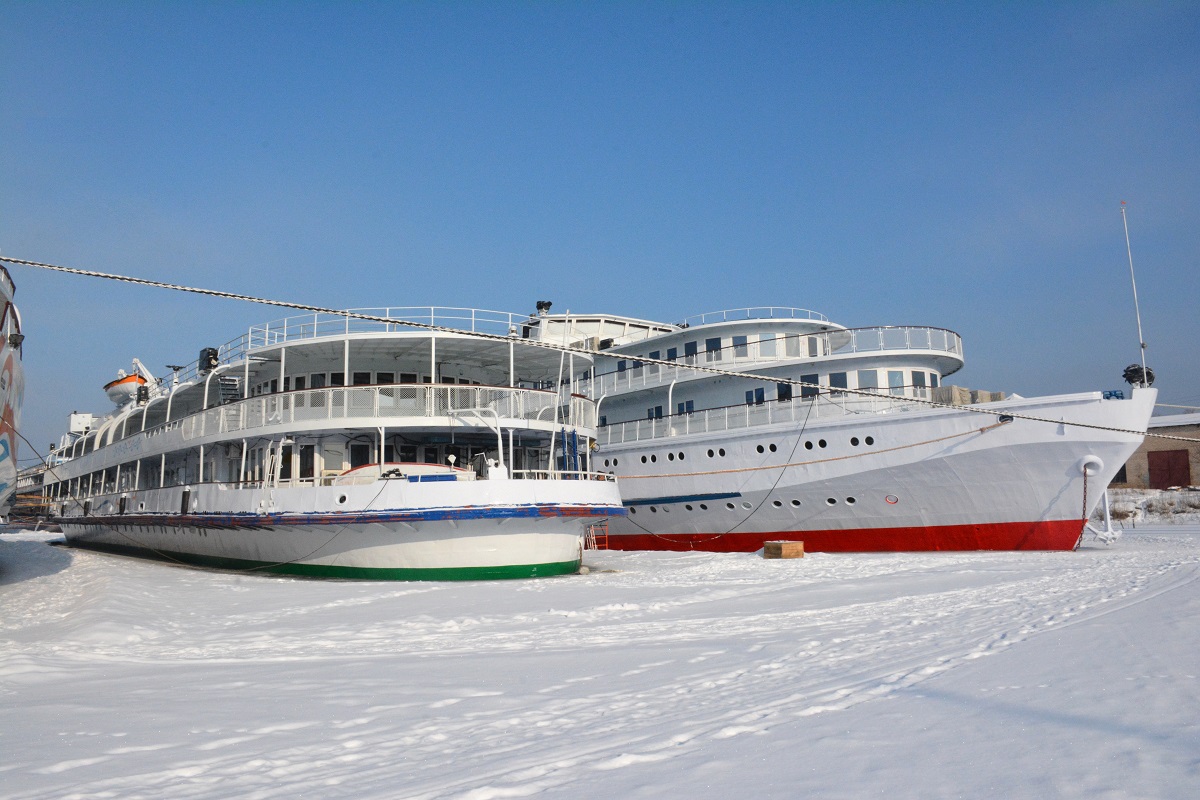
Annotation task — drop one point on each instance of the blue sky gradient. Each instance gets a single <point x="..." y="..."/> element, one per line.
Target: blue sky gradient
<point x="959" y="165"/>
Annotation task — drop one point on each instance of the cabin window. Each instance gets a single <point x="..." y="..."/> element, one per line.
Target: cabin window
<point x="300" y="384"/>
<point x="895" y="381"/>
<point x="740" y="348"/>
<point x="361" y="378"/>
<point x="712" y="349"/>
<point x="655" y="354"/>
<point x="389" y="453"/>
<point x="654" y="413"/>
<point x="318" y="380"/>
<point x="287" y="383"/>
<point x="933" y="379"/>
<point x="408" y="377"/>
<point x="308" y="460"/>
<point x="672" y="353"/>
<point x="285" y="463"/>
<point x="766" y="345"/>
<point x="791" y="346"/>
<point x="809" y="389"/>
<point x="689" y="352"/>
<point x="687" y="407"/>
<point x="783" y="391"/>
<point x="385" y="377"/>
<point x="603" y="421"/>
<point x="621" y="365"/>
<point x="813" y="349"/>
<point x="337" y="379"/>
<point x="755" y="397"/>
<point x="408" y="453"/>
<point x="868" y="379"/>
<point x="837" y="380"/>
<point x="360" y="454"/>
<point x="274" y="385"/>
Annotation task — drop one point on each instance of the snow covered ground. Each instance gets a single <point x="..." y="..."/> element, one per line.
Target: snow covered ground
<point x="656" y="675"/>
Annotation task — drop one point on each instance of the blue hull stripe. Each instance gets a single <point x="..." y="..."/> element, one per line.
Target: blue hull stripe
<point x="680" y="498"/>
<point x="247" y="520"/>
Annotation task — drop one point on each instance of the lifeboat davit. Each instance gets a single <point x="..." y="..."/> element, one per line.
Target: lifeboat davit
<point x="124" y="388"/>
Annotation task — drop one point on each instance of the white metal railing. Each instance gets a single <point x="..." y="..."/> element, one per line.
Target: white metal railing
<point x="636" y="375"/>
<point x="749" y="416"/>
<point x="758" y="312"/>
<point x="317" y="324"/>
<point x="379" y="402"/>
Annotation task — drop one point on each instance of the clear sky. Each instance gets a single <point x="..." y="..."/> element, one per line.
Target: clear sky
<point x="959" y="165"/>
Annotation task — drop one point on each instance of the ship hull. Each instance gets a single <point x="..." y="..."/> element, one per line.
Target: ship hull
<point x="938" y="479"/>
<point x="460" y="531"/>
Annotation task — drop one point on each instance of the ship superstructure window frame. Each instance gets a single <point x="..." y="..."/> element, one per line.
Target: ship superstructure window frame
<point x="689" y="352"/>
<point x="868" y="379"/>
<point x="766" y="345"/>
<point x="896" y="381"/>
<point x="810" y="389"/>
<point x="712" y="349"/>
<point x="838" y="380"/>
<point x="783" y="392"/>
<point x="741" y="347"/>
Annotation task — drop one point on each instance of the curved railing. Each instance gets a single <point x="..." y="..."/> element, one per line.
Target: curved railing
<point x="318" y="324"/>
<point x="390" y="402"/>
<point x="758" y="312"/>
<point x="815" y="346"/>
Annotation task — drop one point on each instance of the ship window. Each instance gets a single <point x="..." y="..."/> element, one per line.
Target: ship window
<point x="796" y="503"/>
<point x="408" y="453"/>
<point x="307" y="460"/>
<point x="933" y="379"/>
<point x="360" y="454"/>
<point x="749" y="397"/>
<point x="783" y="391"/>
<point x="809" y="389"/>
<point x="621" y="365"/>
<point x="777" y="503"/>
<point x="689" y="352"/>
<point x="300" y="382"/>
<point x="274" y="385"/>
<point x="703" y="507"/>
<point x="285" y="463"/>
<point x="337" y="379"/>
<point x="408" y="377"/>
<point x="318" y="380"/>
<point x="791" y="346"/>
<point x="870" y="440"/>
<point x="672" y="353"/>
<point x="361" y="378"/>
<point x="919" y="379"/>
<point x="740" y="349"/>
<point x="760" y="396"/>
<point x="385" y="377"/>
<point x="766" y="345"/>
<point x="603" y="421"/>
<point x="687" y="407"/>
<point x="761" y="449"/>
<point x="655" y="354"/>
<point x="287" y="384"/>
<point x="812" y="347"/>
<point x="712" y="349"/>
<point x="710" y="453"/>
<point x="868" y="379"/>
<point x="837" y="380"/>
<point x="895" y="381"/>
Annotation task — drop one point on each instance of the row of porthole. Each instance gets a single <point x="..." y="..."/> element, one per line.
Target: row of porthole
<point x="808" y="445"/>
<point x="829" y="501"/>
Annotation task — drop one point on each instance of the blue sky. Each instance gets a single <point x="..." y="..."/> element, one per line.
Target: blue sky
<point x="959" y="165"/>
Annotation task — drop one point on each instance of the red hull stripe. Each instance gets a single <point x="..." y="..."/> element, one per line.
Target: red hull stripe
<point x="1044" y="535"/>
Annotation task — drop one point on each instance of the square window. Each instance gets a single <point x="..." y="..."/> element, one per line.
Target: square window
<point x="837" y="380"/>
<point x="712" y="349"/>
<point x="689" y="352"/>
<point x="766" y="345"/>
<point x="672" y="353"/>
<point x="895" y="381"/>
<point x="408" y="377"/>
<point x="621" y="365"/>
<point x="337" y="379"/>
<point x="300" y="382"/>
<point x="740" y="348"/>
<point x="760" y="396"/>
<point x="361" y="378"/>
<point x="810" y="386"/>
<point x="868" y="379"/>
<point x="385" y="377"/>
<point x="933" y="379"/>
<point x="783" y="391"/>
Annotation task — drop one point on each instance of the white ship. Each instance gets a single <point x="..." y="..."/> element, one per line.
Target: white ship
<point x="331" y="445"/>
<point x="717" y="449"/>
<point x="12" y="389"/>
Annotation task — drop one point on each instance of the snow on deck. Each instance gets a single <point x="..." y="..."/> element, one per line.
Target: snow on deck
<point x="680" y="675"/>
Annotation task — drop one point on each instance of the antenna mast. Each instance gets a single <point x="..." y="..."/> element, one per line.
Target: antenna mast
<point x="1137" y="311"/>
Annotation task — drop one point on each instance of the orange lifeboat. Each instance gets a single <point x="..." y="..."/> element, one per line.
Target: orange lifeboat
<point x="124" y="388"/>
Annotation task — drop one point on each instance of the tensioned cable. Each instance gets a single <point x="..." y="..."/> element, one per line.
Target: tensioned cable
<point x="556" y="347"/>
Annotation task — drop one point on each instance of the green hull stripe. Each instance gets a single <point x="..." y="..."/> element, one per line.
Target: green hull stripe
<point x="506" y="572"/>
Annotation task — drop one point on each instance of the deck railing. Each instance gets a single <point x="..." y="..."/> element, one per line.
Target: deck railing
<point x="636" y="375"/>
<point x="382" y="402"/>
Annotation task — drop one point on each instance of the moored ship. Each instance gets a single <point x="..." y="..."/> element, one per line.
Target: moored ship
<point x="348" y="446"/>
<point x="12" y="390"/>
<point x="739" y="427"/>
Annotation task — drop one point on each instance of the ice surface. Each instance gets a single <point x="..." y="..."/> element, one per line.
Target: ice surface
<point x="657" y="674"/>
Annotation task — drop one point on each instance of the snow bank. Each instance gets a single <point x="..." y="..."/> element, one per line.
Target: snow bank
<point x="657" y="674"/>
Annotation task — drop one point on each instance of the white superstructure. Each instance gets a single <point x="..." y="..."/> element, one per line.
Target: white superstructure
<point x="338" y="446"/>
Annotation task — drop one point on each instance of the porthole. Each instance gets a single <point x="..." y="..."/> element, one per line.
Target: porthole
<point x="653" y="510"/>
<point x="795" y="504"/>
<point x="681" y="456"/>
<point x="654" y="459"/>
<point x="808" y="445"/>
<point x="831" y="501"/>
<point x="854" y="441"/>
<point x="614" y="462"/>
<point x="821" y="442"/>
<point x="773" y="448"/>
<point x="721" y="452"/>
<point x="891" y="499"/>
<point x="670" y="456"/>
<point x="760" y="448"/>
<point x="606" y="462"/>
<point x="703" y="507"/>
<point x="850" y="501"/>
<point x="870" y="440"/>
<point x="632" y="510"/>
<point x="777" y="503"/>
<point x="710" y="453"/>
<point x="666" y="509"/>
<point x="643" y="459"/>
<point x="746" y="505"/>
<point x="341" y="499"/>
<point x="688" y="506"/>
<point x="729" y="506"/>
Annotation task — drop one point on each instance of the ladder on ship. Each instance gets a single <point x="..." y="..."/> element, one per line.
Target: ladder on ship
<point x="596" y="537"/>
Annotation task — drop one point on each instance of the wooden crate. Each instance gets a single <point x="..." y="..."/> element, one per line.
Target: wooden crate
<point x="783" y="549"/>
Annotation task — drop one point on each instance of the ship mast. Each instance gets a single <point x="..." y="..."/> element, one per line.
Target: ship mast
<point x="1136" y="310"/>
